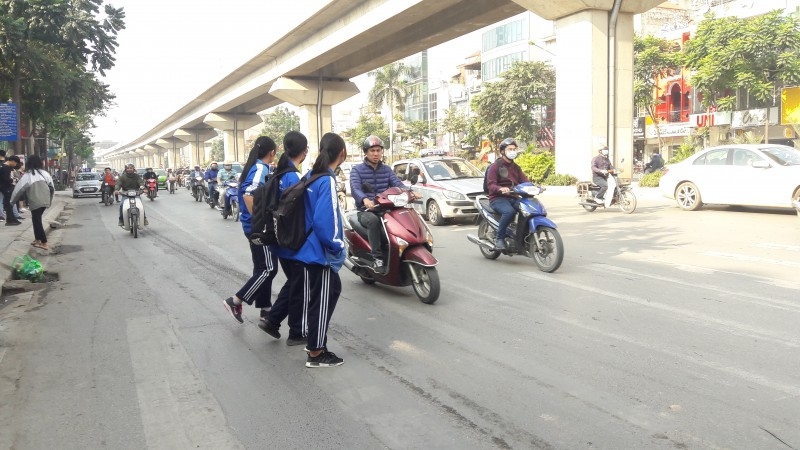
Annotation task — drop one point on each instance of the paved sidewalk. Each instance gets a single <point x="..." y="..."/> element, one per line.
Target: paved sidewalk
<point x="16" y="240"/>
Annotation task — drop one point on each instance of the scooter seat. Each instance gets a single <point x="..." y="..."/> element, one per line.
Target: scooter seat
<point x="352" y="219"/>
<point x="487" y="205"/>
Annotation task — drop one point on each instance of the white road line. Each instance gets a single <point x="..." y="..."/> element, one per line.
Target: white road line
<point x="771" y="245"/>
<point x="177" y="409"/>
<point x="753" y="259"/>
<point x="708" y="271"/>
<point x="791" y="390"/>
<point x="727" y="326"/>
<point x="753" y="299"/>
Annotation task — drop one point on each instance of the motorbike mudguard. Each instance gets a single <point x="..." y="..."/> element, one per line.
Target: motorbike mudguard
<point x="420" y="255"/>
<point x="540" y="221"/>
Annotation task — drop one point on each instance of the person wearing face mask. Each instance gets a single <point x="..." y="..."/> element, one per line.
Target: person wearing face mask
<point x="600" y="167"/>
<point x="503" y="175"/>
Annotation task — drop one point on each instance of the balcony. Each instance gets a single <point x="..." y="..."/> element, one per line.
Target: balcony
<point x="679" y="115"/>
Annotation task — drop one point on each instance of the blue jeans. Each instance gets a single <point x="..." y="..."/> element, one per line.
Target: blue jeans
<point x="212" y="187"/>
<point x="507" y="207"/>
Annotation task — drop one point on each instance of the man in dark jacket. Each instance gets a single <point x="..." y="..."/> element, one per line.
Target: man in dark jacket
<point x="366" y="181"/>
<point x="7" y="187"/>
<point x="129" y="181"/>
<point x="502" y="175"/>
<point x="600" y="167"/>
<point x="656" y="162"/>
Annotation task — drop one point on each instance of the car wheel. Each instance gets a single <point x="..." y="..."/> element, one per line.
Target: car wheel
<point x="796" y="201"/>
<point x="688" y="196"/>
<point x="435" y="214"/>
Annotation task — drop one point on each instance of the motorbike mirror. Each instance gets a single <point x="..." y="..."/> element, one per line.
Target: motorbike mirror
<point x="368" y="188"/>
<point x="413" y="178"/>
<point x="546" y="174"/>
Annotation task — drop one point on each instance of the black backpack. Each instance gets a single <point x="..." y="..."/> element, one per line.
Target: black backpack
<point x="265" y="202"/>
<point x="486" y="179"/>
<point x="290" y="216"/>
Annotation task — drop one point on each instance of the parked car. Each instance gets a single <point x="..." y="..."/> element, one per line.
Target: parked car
<point x="448" y="186"/>
<point x="162" y="178"/>
<point x="87" y="184"/>
<point x="741" y="174"/>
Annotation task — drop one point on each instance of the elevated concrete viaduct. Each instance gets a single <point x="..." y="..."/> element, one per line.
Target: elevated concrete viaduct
<point x="311" y="66"/>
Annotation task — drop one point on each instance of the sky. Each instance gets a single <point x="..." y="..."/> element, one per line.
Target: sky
<point x="172" y="50"/>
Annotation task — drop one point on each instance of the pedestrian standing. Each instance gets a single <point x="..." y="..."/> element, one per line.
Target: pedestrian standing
<point x="7" y="187"/>
<point x="38" y="186"/>
<point x="290" y="301"/>
<point x="322" y="255"/>
<point x="258" y="289"/>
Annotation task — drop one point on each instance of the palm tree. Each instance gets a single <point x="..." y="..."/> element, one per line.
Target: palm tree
<point x="390" y="89"/>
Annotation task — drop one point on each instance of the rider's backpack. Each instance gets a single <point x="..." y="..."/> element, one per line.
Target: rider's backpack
<point x="486" y="179"/>
<point x="265" y="203"/>
<point x="290" y="216"/>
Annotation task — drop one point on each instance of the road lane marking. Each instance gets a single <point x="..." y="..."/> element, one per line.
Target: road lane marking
<point x="791" y="390"/>
<point x="756" y="299"/>
<point x="708" y="271"/>
<point x="728" y="326"/>
<point x="773" y="246"/>
<point x="177" y="409"/>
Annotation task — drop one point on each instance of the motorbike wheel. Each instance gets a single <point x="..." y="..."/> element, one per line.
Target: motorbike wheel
<point x="486" y="232"/>
<point x="434" y="214"/>
<point x="134" y="221"/>
<point x="235" y="211"/>
<point x="796" y="201"/>
<point x="548" y="252"/>
<point x="428" y="288"/>
<point x="627" y="202"/>
<point x="589" y="208"/>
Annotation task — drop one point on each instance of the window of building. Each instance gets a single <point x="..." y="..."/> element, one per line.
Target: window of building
<point x="433" y="112"/>
<point x="505" y="34"/>
<point x="493" y="68"/>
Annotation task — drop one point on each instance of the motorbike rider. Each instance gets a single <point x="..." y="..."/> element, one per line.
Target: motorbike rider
<point x="211" y="180"/>
<point x="656" y="162"/>
<point x="503" y="175"/>
<point x="129" y="181"/>
<point x="108" y="180"/>
<point x="150" y="174"/>
<point x="193" y="176"/>
<point x="600" y="169"/>
<point x="224" y="175"/>
<point x="378" y="177"/>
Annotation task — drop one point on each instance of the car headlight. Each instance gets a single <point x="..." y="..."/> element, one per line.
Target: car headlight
<point x="452" y="195"/>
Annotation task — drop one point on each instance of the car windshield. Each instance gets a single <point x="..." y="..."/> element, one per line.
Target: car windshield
<point x="161" y="172"/>
<point x="785" y="156"/>
<point x="450" y="169"/>
<point x="87" y="177"/>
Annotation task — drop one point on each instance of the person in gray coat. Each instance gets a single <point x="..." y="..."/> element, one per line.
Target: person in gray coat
<point x="37" y="185"/>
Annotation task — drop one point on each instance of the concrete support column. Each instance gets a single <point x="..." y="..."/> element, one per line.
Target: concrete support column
<point x="233" y="126"/>
<point x="155" y="155"/>
<point x="315" y="98"/>
<point x="196" y="138"/>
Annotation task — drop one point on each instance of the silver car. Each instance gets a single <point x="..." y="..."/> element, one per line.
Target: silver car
<point x="87" y="184"/>
<point x="448" y="186"/>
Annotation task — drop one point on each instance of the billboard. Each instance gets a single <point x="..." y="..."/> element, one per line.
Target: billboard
<point x="790" y="106"/>
<point x="9" y="129"/>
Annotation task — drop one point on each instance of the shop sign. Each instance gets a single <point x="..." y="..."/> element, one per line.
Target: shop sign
<point x="710" y="119"/>
<point x="638" y="128"/>
<point x="754" y="117"/>
<point x="669" y="130"/>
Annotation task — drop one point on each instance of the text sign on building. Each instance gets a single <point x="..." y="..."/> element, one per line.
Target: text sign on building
<point x="710" y="119"/>
<point x="9" y="131"/>
<point x="754" y="118"/>
<point x="669" y="130"/>
<point x="638" y="128"/>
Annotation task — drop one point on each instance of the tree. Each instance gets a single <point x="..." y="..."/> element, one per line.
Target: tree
<point x="390" y="89"/>
<point x="653" y="58"/>
<point x="759" y="54"/>
<point x="367" y="125"/>
<point x="505" y="108"/>
<point x="55" y="41"/>
<point x="418" y="131"/>
<point x="279" y="122"/>
<point x="454" y="123"/>
<point x="217" y="152"/>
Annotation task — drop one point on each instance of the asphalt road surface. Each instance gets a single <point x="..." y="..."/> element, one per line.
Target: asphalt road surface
<point x="662" y="329"/>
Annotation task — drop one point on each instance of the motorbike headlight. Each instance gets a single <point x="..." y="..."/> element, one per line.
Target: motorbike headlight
<point x="399" y="200"/>
<point x="531" y="190"/>
<point x="453" y="195"/>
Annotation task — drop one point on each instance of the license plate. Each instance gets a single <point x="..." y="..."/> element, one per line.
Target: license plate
<point x="88" y="189"/>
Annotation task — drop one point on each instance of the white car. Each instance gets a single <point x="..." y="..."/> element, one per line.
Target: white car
<point x="739" y="174"/>
<point x="87" y="184"/>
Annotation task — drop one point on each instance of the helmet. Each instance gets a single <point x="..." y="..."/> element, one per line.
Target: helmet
<point x="213" y="163"/>
<point x="197" y="166"/>
<point x="130" y="166"/>
<point x="149" y="169"/>
<point x="371" y="141"/>
<point x="506" y="142"/>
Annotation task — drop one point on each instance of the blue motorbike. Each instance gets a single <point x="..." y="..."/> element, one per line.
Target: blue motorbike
<point x="532" y="234"/>
<point x="231" y="197"/>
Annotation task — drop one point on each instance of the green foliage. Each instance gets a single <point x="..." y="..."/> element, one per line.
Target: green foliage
<point x="455" y="123"/>
<point x="687" y="148"/>
<point x="533" y="165"/>
<point x="505" y="108"/>
<point x="653" y="58"/>
<point x="368" y="125"/>
<point x="651" y="179"/>
<point x="418" y="131"/>
<point x="760" y="54"/>
<point x="217" y="152"/>
<point x="279" y="122"/>
<point x="560" y="180"/>
<point x="748" y="137"/>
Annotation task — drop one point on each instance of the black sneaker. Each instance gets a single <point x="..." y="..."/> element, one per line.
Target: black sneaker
<point x="324" y="359"/>
<point x="378" y="266"/>
<point x="234" y="309"/>
<point x="270" y="328"/>
<point x="292" y="341"/>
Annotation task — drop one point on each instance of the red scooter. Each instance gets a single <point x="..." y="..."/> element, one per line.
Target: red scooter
<point x="152" y="188"/>
<point x="408" y="247"/>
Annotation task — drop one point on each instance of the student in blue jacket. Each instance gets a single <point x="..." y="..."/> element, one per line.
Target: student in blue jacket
<point x="322" y="255"/>
<point x="290" y="301"/>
